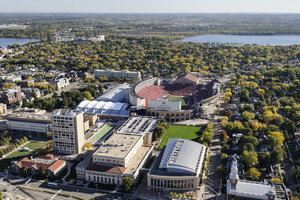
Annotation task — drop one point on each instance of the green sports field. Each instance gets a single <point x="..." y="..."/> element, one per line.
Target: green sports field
<point x="102" y="132"/>
<point x="177" y="131"/>
<point x="177" y="98"/>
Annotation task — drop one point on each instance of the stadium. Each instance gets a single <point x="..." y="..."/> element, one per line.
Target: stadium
<point x="178" y="99"/>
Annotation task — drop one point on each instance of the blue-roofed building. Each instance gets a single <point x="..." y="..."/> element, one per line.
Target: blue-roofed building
<point x="178" y="167"/>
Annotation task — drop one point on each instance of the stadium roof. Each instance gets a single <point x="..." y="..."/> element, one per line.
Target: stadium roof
<point x="117" y="94"/>
<point x="188" y="76"/>
<point x="103" y="108"/>
<point x="183" y="156"/>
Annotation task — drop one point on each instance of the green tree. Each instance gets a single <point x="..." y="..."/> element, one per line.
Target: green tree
<point x="244" y="95"/>
<point x="276" y="156"/>
<point x="220" y="170"/>
<point x="158" y="132"/>
<point x="250" y="158"/>
<point x="247" y="116"/>
<point x="87" y="95"/>
<point x="275" y="139"/>
<point x="43" y="172"/>
<point x="263" y="158"/>
<point x="253" y="174"/>
<point x="248" y="139"/>
<point x="127" y="184"/>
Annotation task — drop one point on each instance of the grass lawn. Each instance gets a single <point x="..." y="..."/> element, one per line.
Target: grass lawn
<point x="177" y="131"/>
<point x="177" y="98"/>
<point x="5" y="162"/>
<point x="102" y="132"/>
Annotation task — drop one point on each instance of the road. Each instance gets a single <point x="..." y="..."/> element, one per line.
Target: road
<point x="14" y="190"/>
<point x="72" y="86"/>
<point x="211" y="188"/>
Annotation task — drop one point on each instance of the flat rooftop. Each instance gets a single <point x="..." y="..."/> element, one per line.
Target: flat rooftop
<point x="133" y="165"/>
<point x="117" y="146"/>
<point x="138" y="125"/>
<point x="30" y="114"/>
<point x="66" y="113"/>
<point x="137" y="159"/>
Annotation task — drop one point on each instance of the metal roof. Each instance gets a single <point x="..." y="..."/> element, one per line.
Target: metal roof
<point x="183" y="156"/>
<point x="117" y="94"/>
<point x="103" y="108"/>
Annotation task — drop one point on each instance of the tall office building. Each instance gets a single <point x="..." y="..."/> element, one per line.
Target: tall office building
<point x="68" y="133"/>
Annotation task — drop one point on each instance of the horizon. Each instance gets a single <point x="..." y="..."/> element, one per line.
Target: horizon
<point x="286" y="13"/>
<point x="153" y="6"/>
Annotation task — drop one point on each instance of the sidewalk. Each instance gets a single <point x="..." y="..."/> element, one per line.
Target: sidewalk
<point x="17" y="149"/>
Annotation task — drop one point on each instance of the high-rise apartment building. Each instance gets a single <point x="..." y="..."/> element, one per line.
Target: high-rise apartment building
<point x="68" y="133"/>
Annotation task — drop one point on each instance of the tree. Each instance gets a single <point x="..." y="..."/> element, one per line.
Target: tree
<point x="263" y="158"/>
<point x="220" y="170"/>
<point x="87" y="95"/>
<point x="226" y="99"/>
<point x="247" y="116"/>
<point x="289" y="126"/>
<point x="88" y="145"/>
<point x="127" y="184"/>
<point x="248" y="107"/>
<point x="228" y="94"/>
<point x="223" y="136"/>
<point x="276" y="156"/>
<point x="253" y="174"/>
<point x="250" y="158"/>
<point x="25" y="170"/>
<point x="244" y="96"/>
<point x="158" y="132"/>
<point x="275" y="139"/>
<point x="49" y="134"/>
<point x="43" y="172"/>
<point x="248" y="139"/>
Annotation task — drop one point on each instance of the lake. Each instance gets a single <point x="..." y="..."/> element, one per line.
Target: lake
<point x="4" y="42"/>
<point x="272" y="40"/>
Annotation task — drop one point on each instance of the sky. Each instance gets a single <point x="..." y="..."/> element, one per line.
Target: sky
<point x="152" y="6"/>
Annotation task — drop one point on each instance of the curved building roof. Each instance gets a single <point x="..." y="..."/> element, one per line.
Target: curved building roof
<point x="103" y="108"/>
<point x="183" y="156"/>
<point x="117" y="94"/>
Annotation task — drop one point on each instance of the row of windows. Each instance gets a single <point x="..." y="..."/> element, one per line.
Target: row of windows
<point x="63" y="145"/>
<point x="63" y="131"/>
<point x="62" y="118"/>
<point x="172" y="183"/>
<point x="63" y="137"/>
<point x="106" y="160"/>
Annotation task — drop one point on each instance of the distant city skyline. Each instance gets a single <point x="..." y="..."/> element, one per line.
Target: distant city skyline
<point x="152" y="6"/>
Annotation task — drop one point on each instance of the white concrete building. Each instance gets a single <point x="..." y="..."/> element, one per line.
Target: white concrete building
<point x="139" y="125"/>
<point x="61" y="83"/>
<point x="120" y="156"/>
<point x="178" y="167"/>
<point x="123" y="74"/>
<point x="97" y="38"/>
<point x="29" y="122"/>
<point x="68" y="133"/>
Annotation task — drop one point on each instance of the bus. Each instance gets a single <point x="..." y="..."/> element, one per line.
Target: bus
<point x="50" y="184"/>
